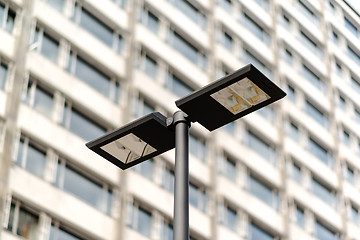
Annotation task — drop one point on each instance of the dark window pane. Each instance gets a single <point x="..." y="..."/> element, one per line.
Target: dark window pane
<point x="323" y="233"/>
<point x="231" y="218"/>
<point x="144" y="222"/>
<point x="3" y="75"/>
<point x="35" y="161"/>
<point x="11" y="216"/>
<point x="50" y="48"/>
<point x="92" y="76"/>
<point x="257" y="233"/>
<point x="83" y="188"/>
<point x="10" y="21"/>
<point x="43" y="102"/>
<point x="96" y="27"/>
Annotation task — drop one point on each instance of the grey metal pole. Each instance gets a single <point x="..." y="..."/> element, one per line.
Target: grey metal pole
<point x="181" y="196"/>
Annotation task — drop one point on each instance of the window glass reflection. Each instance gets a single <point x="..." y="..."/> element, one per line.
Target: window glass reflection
<point x="257" y="233"/>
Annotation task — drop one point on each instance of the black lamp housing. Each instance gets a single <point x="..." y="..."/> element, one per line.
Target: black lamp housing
<point x="204" y="109"/>
<point x="151" y="129"/>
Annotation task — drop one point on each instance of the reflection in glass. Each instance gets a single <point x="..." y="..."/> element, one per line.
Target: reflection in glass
<point x="27" y="225"/>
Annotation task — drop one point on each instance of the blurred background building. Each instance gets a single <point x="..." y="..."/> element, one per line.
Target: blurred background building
<point x="71" y="70"/>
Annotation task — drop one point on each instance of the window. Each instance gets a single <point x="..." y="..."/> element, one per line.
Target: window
<point x="168" y="179"/>
<point x="349" y="174"/>
<point x="31" y="156"/>
<point x="320" y="152"/>
<point x="7" y="17"/>
<point x="268" y="113"/>
<point x="353" y="214"/>
<point x="150" y="20"/>
<point x="357" y="115"/>
<point x="149" y="65"/>
<point x="296" y="173"/>
<point x="92" y="24"/>
<point x="341" y="103"/>
<point x="83" y="187"/>
<point x="197" y="197"/>
<point x="230" y="218"/>
<point x="38" y="97"/>
<point x="59" y="233"/>
<point x="229" y="169"/>
<point x="46" y="45"/>
<point x="261" y="147"/>
<point x="256" y="29"/>
<point x="227" y="40"/>
<point x="291" y="93"/>
<point x="294" y="131"/>
<point x="141" y="220"/>
<point x="250" y="58"/>
<point x="81" y="125"/>
<point x="324" y="193"/>
<point x="345" y="138"/>
<point x="308" y="13"/>
<point x="146" y="169"/>
<point x="95" y="78"/>
<point x="191" y="11"/>
<point x="313" y="79"/>
<point x="167" y="231"/>
<point x="351" y="27"/>
<point x="121" y="3"/>
<point x="264" y="192"/>
<point x="226" y="5"/>
<point x="177" y="86"/>
<point x="187" y="49"/>
<point x="23" y="222"/>
<point x="142" y="107"/>
<point x="197" y="147"/>
<point x="355" y="84"/>
<point x="264" y="4"/>
<point x="300" y="217"/>
<point x="354" y="55"/>
<point x="256" y="233"/>
<point x="311" y="44"/>
<point x="317" y="115"/>
<point x="57" y="4"/>
<point x="287" y="55"/>
<point x="3" y="74"/>
<point x="324" y="233"/>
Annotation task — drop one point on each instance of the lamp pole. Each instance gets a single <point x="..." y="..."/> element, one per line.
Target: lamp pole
<point x="181" y="196"/>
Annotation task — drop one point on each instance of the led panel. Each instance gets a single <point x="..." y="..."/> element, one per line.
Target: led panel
<point x="135" y="142"/>
<point x="229" y="98"/>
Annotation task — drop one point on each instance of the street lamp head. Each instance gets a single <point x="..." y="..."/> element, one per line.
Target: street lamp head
<point x="230" y="98"/>
<point x="135" y="142"/>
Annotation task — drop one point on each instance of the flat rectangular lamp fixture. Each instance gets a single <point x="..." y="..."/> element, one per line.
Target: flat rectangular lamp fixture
<point x="230" y="98"/>
<point x="135" y="142"/>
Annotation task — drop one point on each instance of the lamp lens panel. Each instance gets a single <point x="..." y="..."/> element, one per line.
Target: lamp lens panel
<point x="128" y="148"/>
<point x="240" y="96"/>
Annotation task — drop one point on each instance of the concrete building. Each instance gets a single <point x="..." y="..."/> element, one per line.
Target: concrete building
<point x="71" y="70"/>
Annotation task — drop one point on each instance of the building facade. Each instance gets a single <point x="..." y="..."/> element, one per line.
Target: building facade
<point x="71" y="70"/>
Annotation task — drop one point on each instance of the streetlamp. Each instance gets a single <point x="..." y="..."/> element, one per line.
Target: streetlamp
<point x="213" y="106"/>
